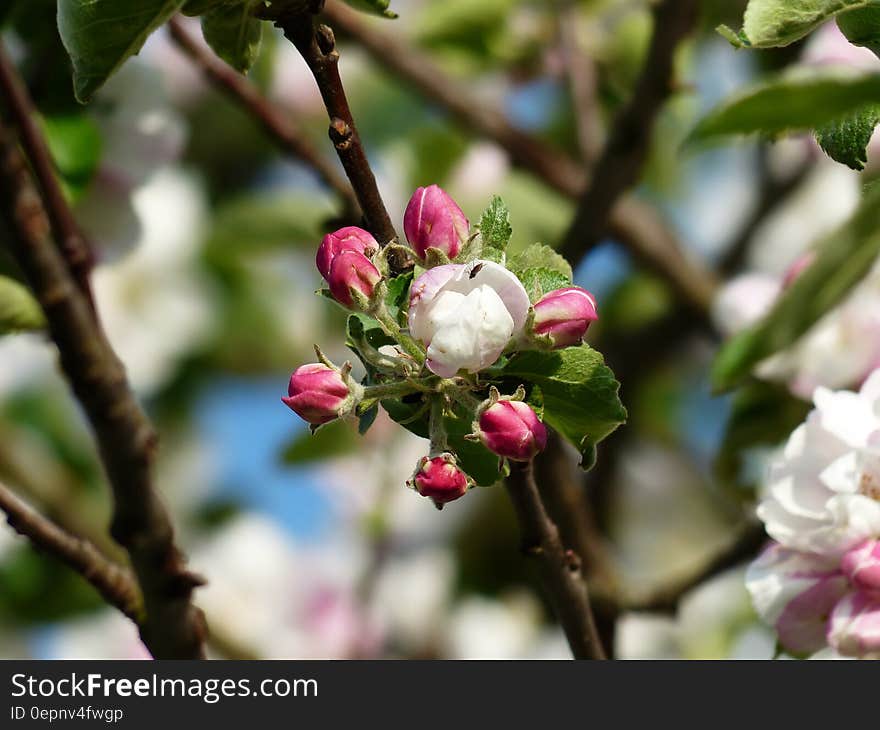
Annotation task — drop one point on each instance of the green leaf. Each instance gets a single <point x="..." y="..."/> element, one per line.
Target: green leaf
<point x="375" y="7"/>
<point x="478" y="462"/>
<point x="234" y="34"/>
<point x="843" y="260"/>
<point x="802" y="100"/>
<point x="846" y="140"/>
<point x="200" y="7"/>
<point x="540" y="281"/>
<point x="19" y="311"/>
<point x="75" y="143"/>
<point x="495" y="230"/>
<point x="862" y="28"/>
<point x="775" y="23"/>
<point x="580" y="394"/>
<point x="100" y="35"/>
<point x="398" y="293"/>
<point x="539" y="256"/>
<point x="334" y="440"/>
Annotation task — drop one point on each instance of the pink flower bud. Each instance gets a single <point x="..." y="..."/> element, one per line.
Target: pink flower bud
<point x="434" y="220"/>
<point x="316" y="393"/>
<point x="511" y="429"/>
<point x="440" y="479"/>
<point x="854" y="626"/>
<point x="349" y="271"/>
<point x="350" y="238"/>
<point x="862" y="566"/>
<point x="564" y="315"/>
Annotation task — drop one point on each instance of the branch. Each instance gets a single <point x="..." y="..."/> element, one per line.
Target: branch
<point x="116" y="584"/>
<point x="620" y="165"/>
<point x="172" y="627"/>
<point x="635" y="225"/>
<point x="317" y="46"/>
<point x="283" y="132"/>
<point x="559" y="568"/>
<point x="76" y="249"/>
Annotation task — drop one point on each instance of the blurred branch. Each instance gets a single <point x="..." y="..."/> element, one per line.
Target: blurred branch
<point x="580" y="73"/>
<point x="637" y="226"/>
<point x="284" y="133"/>
<point x="742" y="548"/>
<point x="559" y="568"/>
<point x="772" y="193"/>
<point x="116" y="584"/>
<point x="74" y="246"/>
<point x="317" y="46"/>
<point x="172" y="627"/>
<point x="626" y="151"/>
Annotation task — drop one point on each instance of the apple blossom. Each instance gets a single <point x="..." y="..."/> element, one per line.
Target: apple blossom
<point x="350" y="238"/>
<point x="564" y="315"/>
<point x="434" y="220"/>
<point x="440" y="479"/>
<point x="466" y="314"/>
<point x="862" y="566"/>
<point x="317" y="393"/>
<point x="352" y="274"/>
<point x="511" y="429"/>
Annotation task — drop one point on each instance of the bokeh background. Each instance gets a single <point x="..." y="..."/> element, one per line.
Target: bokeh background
<point x="206" y="234"/>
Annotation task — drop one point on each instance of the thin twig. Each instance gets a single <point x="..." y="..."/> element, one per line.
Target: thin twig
<point x="317" y="46"/>
<point x="280" y="129"/>
<point x="115" y="583"/>
<point x="559" y="568"/>
<point x="172" y="626"/>
<point x="74" y="245"/>
<point x="637" y="226"/>
<point x="620" y="165"/>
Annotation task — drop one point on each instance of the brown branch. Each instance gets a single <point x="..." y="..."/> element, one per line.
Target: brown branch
<point x="278" y="127"/>
<point x="559" y="568"/>
<point x="74" y="245"/>
<point x="115" y="584"/>
<point x="317" y="46"/>
<point x="634" y="224"/>
<point x="172" y="626"/>
<point x="620" y="165"/>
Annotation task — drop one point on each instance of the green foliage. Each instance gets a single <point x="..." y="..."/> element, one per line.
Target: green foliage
<point x="75" y="143"/>
<point x="774" y="23"/>
<point x="862" y="28"/>
<point x="495" y="230"/>
<point x="540" y="280"/>
<point x="200" y="7"/>
<point x="541" y="270"/>
<point x="375" y="7"/>
<point x="794" y="101"/>
<point x="843" y="260"/>
<point x="234" y="34"/>
<point x="846" y="140"/>
<point x="580" y="394"/>
<point x="19" y="311"/>
<point x="100" y="35"/>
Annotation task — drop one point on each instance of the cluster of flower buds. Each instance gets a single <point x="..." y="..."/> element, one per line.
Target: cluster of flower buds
<point x="463" y="315"/>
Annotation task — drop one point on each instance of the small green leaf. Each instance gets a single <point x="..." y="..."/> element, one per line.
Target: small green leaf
<point x="19" y="311"/>
<point x="843" y="260"/>
<point x="580" y="394"/>
<point x="862" y="28"/>
<point x="846" y="140"/>
<point x="375" y="7"/>
<point x="799" y="100"/>
<point x="540" y="281"/>
<point x="75" y="143"/>
<point x="774" y="23"/>
<point x="539" y="256"/>
<point x="234" y="34"/>
<point x="200" y="7"/>
<point x="495" y="230"/>
<point x="398" y="293"/>
<point x="100" y="35"/>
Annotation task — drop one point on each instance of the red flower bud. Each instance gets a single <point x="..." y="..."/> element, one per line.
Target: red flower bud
<point x="511" y="429"/>
<point x="434" y="220"/>
<point x="440" y="479"/>
<point x="350" y="238"/>
<point x="349" y="271"/>
<point x="316" y="393"/>
<point x="564" y="315"/>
